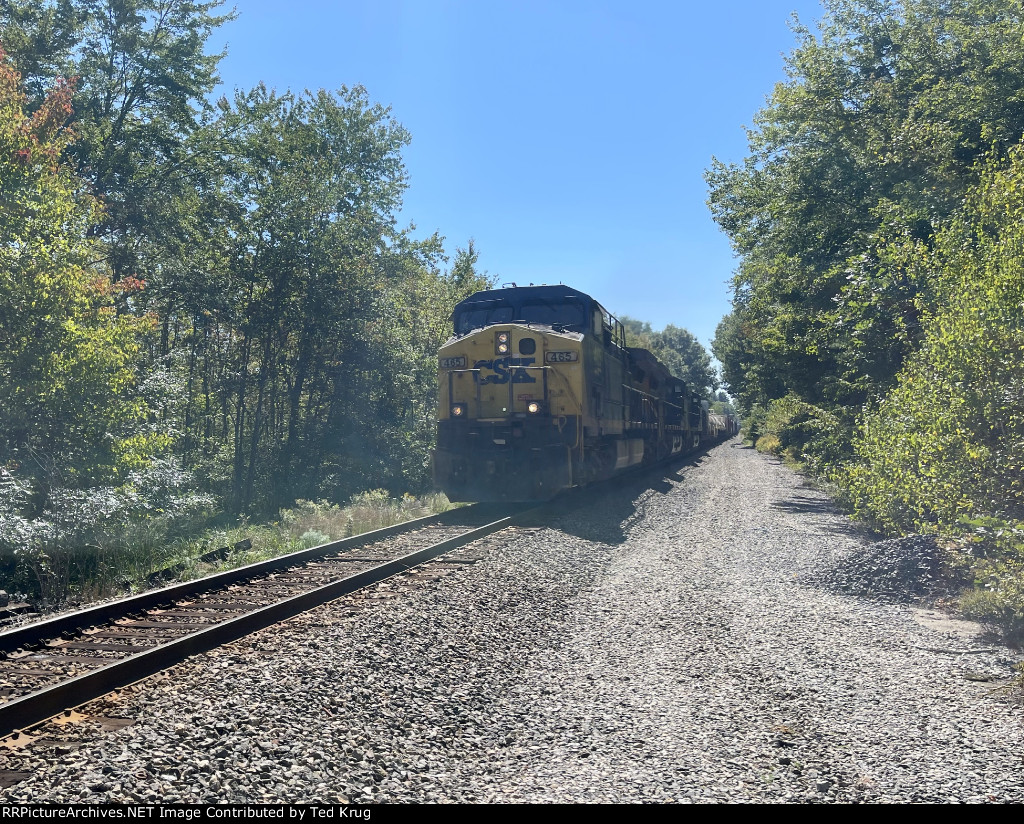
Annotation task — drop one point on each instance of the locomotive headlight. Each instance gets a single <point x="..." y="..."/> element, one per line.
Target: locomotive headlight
<point x="533" y="407"/>
<point x="502" y="343"/>
<point x="458" y="410"/>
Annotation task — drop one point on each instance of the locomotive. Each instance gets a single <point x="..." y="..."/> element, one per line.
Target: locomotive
<point x="538" y="392"/>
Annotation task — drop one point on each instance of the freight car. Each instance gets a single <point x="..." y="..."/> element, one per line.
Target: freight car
<point x="539" y="392"/>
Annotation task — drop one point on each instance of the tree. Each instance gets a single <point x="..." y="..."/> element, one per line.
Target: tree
<point x="297" y="325"/>
<point x="691" y="359"/>
<point x="66" y="355"/>
<point x="305" y="337"/>
<point x="946" y="446"/>
<point x="74" y="424"/>
<point x="144" y="78"/>
<point x="874" y="136"/>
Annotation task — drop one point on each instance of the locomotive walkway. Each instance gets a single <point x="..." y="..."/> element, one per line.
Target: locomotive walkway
<point x="690" y="641"/>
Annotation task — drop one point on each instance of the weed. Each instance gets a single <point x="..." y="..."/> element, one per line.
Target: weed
<point x="999" y="600"/>
<point x="122" y="560"/>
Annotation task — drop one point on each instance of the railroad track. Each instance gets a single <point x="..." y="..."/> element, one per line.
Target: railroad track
<point x="51" y="666"/>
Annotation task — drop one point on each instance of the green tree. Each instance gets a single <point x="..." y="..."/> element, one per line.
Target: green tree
<point x="947" y="445"/>
<point x="297" y="326"/>
<point x="144" y="78"/>
<point x="873" y="137"/>
<point x="304" y="365"/>
<point x="75" y="434"/>
<point x="67" y="357"/>
<point x="679" y="347"/>
<point x="420" y="300"/>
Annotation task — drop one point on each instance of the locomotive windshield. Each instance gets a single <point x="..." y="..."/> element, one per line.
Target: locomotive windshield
<point x="570" y="315"/>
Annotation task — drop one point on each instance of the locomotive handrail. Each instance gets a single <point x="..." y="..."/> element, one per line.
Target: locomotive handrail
<point x="576" y="401"/>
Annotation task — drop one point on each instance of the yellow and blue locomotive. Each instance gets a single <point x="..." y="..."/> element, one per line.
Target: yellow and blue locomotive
<point x="539" y="392"/>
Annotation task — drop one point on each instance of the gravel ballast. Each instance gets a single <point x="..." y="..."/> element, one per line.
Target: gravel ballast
<point x="711" y="637"/>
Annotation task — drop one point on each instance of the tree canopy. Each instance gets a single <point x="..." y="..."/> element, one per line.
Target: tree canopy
<point x="203" y="300"/>
<point x="874" y="136"/>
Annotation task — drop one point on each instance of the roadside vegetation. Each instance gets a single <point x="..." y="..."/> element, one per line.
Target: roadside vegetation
<point x="877" y="331"/>
<point x="208" y="310"/>
<point x="156" y="551"/>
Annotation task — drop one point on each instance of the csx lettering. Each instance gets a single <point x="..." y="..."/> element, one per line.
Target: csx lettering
<point x="503" y="368"/>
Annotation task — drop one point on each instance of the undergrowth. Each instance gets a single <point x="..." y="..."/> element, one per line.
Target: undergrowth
<point x="138" y="556"/>
<point x="987" y="550"/>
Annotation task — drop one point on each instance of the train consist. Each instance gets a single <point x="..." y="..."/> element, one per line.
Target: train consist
<point x="539" y="392"/>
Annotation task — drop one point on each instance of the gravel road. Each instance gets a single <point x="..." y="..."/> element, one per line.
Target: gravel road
<point x="699" y="640"/>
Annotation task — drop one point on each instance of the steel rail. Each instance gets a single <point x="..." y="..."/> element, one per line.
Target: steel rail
<point x="102" y="613"/>
<point x="38" y="706"/>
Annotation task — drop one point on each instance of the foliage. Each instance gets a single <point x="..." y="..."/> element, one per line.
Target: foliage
<point x="194" y="291"/>
<point x="64" y="355"/>
<point x="124" y="556"/>
<point x="365" y="511"/>
<point x="876" y="331"/>
<point x="309" y="369"/>
<point x="807" y="436"/>
<point x="722" y="406"/>
<point x="999" y="600"/>
<point x="145" y="73"/>
<point x="867" y="146"/>
<point x="296" y="324"/>
<point x="77" y="445"/>
<point x="948" y="443"/>
<point x="944" y="451"/>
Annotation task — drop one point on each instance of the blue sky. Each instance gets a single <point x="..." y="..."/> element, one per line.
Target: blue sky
<point x="569" y="139"/>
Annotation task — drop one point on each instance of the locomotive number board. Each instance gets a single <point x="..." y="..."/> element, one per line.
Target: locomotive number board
<point x="458" y="362"/>
<point x="561" y="357"/>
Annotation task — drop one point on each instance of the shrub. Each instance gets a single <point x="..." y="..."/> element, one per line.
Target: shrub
<point x="311" y="538"/>
<point x="944" y="451"/>
<point x="999" y="600"/>
<point x="948" y="443"/>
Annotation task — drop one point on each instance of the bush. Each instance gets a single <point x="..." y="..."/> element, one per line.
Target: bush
<point x="88" y="543"/>
<point x="948" y="443"/>
<point x="311" y="538"/>
<point x="999" y="600"/>
<point x="944" y="451"/>
<point x="801" y="433"/>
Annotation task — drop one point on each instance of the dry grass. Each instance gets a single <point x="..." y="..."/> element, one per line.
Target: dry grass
<point x="311" y="523"/>
<point x="141" y="551"/>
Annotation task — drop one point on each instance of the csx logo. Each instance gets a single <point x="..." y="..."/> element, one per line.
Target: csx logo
<point x="503" y="368"/>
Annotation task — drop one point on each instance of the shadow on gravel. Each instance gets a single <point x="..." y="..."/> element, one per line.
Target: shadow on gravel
<point x="898" y="570"/>
<point x="678" y="468"/>
<point x="799" y="504"/>
<point x="806" y="505"/>
<point x="619" y="503"/>
<point x="614" y="508"/>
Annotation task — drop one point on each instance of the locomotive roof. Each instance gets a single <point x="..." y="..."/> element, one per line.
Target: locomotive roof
<point x="648" y="360"/>
<point x="517" y="294"/>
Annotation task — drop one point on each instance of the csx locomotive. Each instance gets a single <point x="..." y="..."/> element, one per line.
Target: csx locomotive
<point x="539" y="392"/>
